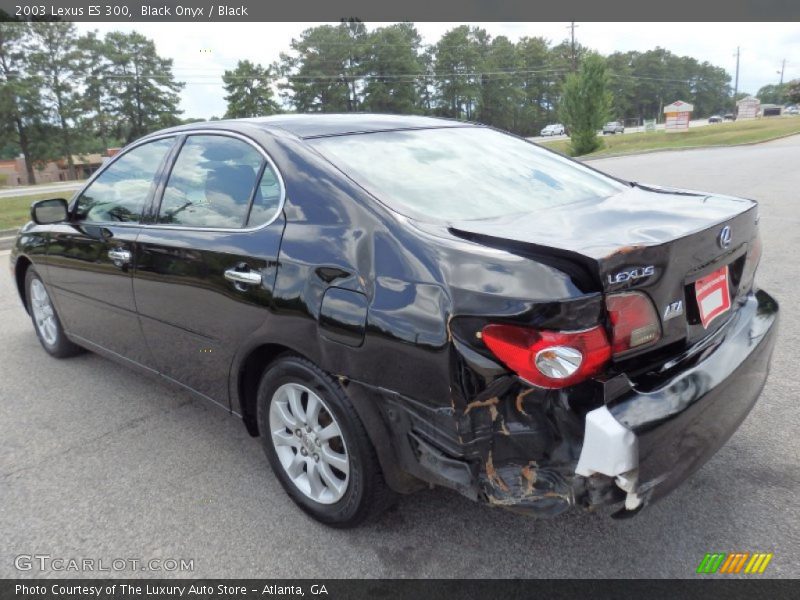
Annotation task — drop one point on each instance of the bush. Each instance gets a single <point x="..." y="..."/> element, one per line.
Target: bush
<point x="585" y="105"/>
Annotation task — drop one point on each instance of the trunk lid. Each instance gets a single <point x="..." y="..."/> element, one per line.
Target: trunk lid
<point x="656" y="240"/>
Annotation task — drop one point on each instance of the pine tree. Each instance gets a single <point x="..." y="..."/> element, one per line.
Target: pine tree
<point x="142" y="88"/>
<point x="249" y="91"/>
<point x="585" y="105"/>
<point x="56" y="59"/>
<point x="393" y="67"/>
<point x="20" y="100"/>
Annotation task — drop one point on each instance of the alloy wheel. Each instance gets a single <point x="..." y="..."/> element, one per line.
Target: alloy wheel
<point x="43" y="313"/>
<point x="309" y="443"/>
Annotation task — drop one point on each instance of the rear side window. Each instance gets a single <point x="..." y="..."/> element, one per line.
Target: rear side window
<point x="459" y="173"/>
<point x="219" y="182"/>
<point x="120" y="192"/>
<point x="267" y="198"/>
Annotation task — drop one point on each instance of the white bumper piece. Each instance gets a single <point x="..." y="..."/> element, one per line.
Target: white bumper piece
<point x="611" y="449"/>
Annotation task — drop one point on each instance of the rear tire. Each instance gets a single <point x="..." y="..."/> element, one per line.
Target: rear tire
<point x="317" y="445"/>
<point x="46" y="323"/>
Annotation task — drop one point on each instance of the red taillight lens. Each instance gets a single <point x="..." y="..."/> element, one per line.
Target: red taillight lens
<point x="549" y="359"/>
<point x="634" y="322"/>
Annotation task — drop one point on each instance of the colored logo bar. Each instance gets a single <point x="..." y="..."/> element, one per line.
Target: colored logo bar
<point x="734" y="563"/>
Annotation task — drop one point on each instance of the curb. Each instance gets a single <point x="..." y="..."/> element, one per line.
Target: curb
<point x="684" y="148"/>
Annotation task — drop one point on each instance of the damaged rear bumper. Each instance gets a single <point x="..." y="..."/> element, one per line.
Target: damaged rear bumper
<point x="535" y="451"/>
<point x="680" y="424"/>
<point x="617" y="443"/>
<point x="641" y="444"/>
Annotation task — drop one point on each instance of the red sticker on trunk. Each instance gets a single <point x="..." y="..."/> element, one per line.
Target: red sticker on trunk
<point x="713" y="295"/>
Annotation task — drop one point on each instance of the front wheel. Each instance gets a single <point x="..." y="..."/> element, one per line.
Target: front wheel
<point x="45" y="319"/>
<point x="317" y="445"/>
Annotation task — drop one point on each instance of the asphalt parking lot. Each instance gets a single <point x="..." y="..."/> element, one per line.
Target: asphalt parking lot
<point x="98" y="462"/>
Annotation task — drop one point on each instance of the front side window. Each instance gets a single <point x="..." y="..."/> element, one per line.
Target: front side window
<point x="215" y="183"/>
<point x="120" y="192"/>
<point x="459" y="173"/>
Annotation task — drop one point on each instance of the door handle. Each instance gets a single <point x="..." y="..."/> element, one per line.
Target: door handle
<point x="243" y="277"/>
<point x="119" y="257"/>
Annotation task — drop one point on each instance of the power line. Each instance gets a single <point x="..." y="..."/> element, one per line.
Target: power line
<point x="337" y="76"/>
<point x="348" y="78"/>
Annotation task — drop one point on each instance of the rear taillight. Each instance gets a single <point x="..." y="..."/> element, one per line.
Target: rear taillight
<point x="634" y="322"/>
<point x="549" y="359"/>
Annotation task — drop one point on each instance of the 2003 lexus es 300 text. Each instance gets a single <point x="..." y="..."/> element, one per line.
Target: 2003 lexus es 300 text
<point x="391" y="302"/>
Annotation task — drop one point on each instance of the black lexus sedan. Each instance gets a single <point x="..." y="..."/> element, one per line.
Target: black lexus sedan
<point x="391" y="302"/>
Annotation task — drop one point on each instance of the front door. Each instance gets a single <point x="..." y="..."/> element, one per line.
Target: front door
<point x="91" y="257"/>
<point x="207" y="263"/>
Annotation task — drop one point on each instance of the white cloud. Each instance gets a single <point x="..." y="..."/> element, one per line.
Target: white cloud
<point x="763" y="47"/>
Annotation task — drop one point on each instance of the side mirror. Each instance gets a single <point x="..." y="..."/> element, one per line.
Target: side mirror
<point x="45" y="212"/>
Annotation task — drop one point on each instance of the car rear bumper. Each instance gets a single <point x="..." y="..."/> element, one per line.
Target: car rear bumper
<point x="532" y="451"/>
<point x="658" y="437"/>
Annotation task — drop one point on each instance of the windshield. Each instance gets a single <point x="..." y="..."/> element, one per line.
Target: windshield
<point x="462" y="173"/>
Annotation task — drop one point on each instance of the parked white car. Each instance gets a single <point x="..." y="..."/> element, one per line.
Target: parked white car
<point x="554" y="129"/>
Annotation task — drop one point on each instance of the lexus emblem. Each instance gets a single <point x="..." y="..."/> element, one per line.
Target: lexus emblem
<point x="725" y="237"/>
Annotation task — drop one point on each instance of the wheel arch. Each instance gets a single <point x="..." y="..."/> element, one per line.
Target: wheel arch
<point x="248" y="378"/>
<point x="20" y="271"/>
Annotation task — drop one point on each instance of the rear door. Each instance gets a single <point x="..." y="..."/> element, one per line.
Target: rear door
<point x="92" y="257"/>
<point x="207" y="258"/>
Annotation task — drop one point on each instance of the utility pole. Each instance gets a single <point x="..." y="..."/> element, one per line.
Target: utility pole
<point x="736" y="85"/>
<point x="783" y="67"/>
<point x="572" y="27"/>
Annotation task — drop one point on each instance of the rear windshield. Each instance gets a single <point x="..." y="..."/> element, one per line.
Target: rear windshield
<point x="462" y="173"/>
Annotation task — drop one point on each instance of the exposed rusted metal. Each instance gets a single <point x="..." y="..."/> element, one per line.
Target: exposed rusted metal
<point x="520" y="398"/>
<point x="494" y="478"/>
<point x="481" y="403"/>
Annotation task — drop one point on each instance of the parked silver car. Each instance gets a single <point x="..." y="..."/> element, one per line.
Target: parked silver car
<point x="613" y="127"/>
<point x="554" y="129"/>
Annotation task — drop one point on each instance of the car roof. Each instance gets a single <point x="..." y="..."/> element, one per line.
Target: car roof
<point x="329" y="124"/>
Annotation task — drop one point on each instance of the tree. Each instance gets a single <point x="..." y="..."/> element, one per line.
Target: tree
<point x="623" y="86"/>
<point x="98" y="118"/>
<point x="793" y="93"/>
<point x="143" y="91"/>
<point x="643" y="82"/>
<point x="501" y="90"/>
<point x="55" y="57"/>
<point x="322" y="71"/>
<point x="774" y="94"/>
<point x="19" y="92"/>
<point x="393" y="66"/>
<point x="426" y="82"/>
<point x="249" y="91"/>
<point x="585" y="104"/>
<point x="457" y="65"/>
<point x="710" y="88"/>
<point x="536" y="80"/>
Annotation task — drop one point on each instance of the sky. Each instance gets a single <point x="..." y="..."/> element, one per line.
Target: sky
<point x="203" y="51"/>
